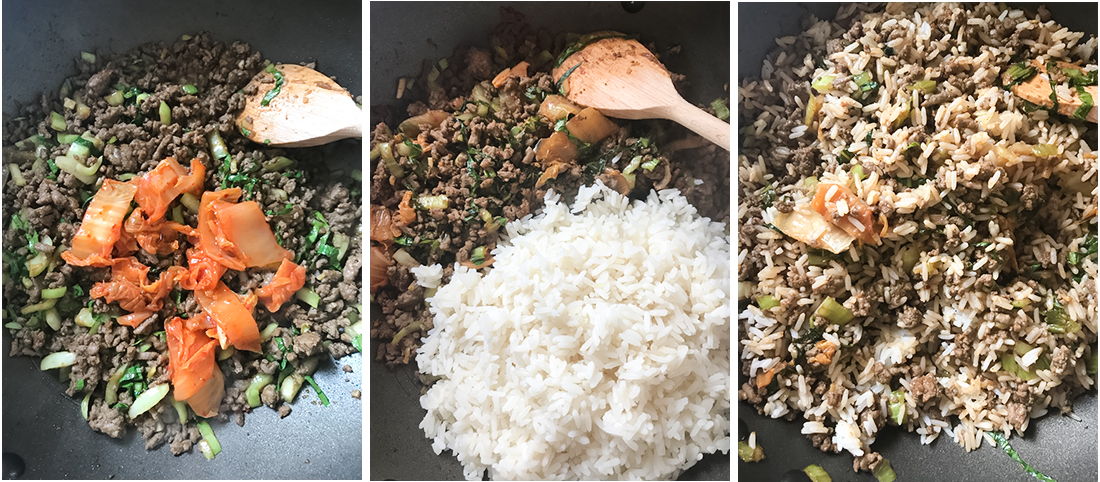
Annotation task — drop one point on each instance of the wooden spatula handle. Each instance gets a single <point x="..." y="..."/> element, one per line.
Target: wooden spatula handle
<point x="700" y="122"/>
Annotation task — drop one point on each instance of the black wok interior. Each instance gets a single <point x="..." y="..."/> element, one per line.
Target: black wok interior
<point x="40" y="423"/>
<point x="1058" y="446"/>
<point x="398" y="449"/>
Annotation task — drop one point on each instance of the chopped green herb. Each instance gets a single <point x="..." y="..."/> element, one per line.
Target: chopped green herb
<point x="720" y="109"/>
<point x="316" y="388"/>
<point x="279" y="81"/>
<point x="1003" y="444"/>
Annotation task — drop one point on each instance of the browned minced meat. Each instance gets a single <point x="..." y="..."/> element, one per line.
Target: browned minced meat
<point x="866" y="462"/>
<point x="53" y="205"/>
<point x="484" y="163"/>
<point x="909" y="317"/>
<point x="925" y="388"/>
<point x="1060" y="360"/>
<point x="1019" y="405"/>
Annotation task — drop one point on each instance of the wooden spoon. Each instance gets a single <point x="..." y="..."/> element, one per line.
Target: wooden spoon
<point x="308" y="109"/>
<point x="621" y="78"/>
<point x="1037" y="90"/>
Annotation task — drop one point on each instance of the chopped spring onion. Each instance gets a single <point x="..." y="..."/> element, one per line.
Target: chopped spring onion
<point x="13" y="325"/>
<point x="115" y="98"/>
<point x="720" y="109"/>
<point x="824" y="83"/>
<point x="278" y="164"/>
<point x="17" y="175"/>
<point x="1044" y="150"/>
<point x="85" y="174"/>
<point x="1058" y="321"/>
<point x="926" y="86"/>
<point x="405" y="259"/>
<point x="209" y="438"/>
<point x="844" y="156"/>
<point x="433" y="202"/>
<point x="812" y="106"/>
<point x="257" y="385"/>
<point x="409" y="328"/>
<point x="88" y="57"/>
<point x="1091" y="364"/>
<point x="650" y="164"/>
<point x="321" y="395"/>
<point x="57" y="360"/>
<point x="1020" y="72"/>
<point x="1003" y="444"/>
<point x="269" y="331"/>
<point x="57" y="122"/>
<point x="226" y="353"/>
<point x="834" y="312"/>
<point x="217" y="145"/>
<point x="181" y="409"/>
<point x="85" y="404"/>
<point x="1086" y="104"/>
<point x="290" y="386"/>
<point x="1008" y="364"/>
<point x="897" y="406"/>
<point x="40" y="306"/>
<point x="857" y="172"/>
<point x="279" y="80"/>
<point x="883" y="472"/>
<point x="190" y="201"/>
<point x="190" y="89"/>
<point x="111" y="392"/>
<point x="37" y="264"/>
<point x="766" y="302"/>
<point x="1023" y="303"/>
<point x="409" y="149"/>
<point x="165" y="113"/>
<point x="817" y="474"/>
<point x="53" y="319"/>
<point x="748" y="453"/>
<point x="148" y="399"/>
<point x="309" y="296"/>
<point x="54" y="292"/>
<point x="391" y="163"/>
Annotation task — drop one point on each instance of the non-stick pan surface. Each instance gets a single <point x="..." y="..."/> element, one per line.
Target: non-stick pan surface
<point x="43" y="425"/>
<point x="1058" y="446"/>
<point x="404" y="34"/>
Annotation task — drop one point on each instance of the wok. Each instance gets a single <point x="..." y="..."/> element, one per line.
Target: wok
<point x="43" y="425"/>
<point x="398" y="448"/>
<point x="1058" y="446"/>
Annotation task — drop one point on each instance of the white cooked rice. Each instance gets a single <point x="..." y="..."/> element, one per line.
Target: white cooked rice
<point x="596" y="348"/>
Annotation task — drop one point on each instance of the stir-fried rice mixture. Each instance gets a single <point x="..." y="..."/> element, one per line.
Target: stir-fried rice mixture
<point x="917" y="244"/>
<point x="166" y="269"/>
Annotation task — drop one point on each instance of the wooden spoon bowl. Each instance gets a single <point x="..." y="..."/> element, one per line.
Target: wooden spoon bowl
<point x="623" y="79"/>
<point x="307" y="109"/>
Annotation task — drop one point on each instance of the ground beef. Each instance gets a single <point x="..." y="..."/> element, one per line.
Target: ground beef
<point x="832" y="286"/>
<point x="486" y="167"/>
<point x="925" y="388"/>
<point x="866" y="462"/>
<point x="1060" y="360"/>
<point x="909" y="317"/>
<point x="294" y="200"/>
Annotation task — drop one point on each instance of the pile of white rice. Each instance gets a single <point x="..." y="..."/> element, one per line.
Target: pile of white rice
<point x="978" y="277"/>
<point x="597" y="347"/>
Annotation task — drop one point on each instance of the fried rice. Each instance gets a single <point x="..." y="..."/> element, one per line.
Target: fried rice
<point x="917" y="245"/>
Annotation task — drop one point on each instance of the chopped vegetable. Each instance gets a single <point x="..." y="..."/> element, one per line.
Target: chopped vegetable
<point x="57" y="122"/>
<point x="287" y="280"/>
<point x="234" y="322"/>
<point x="102" y="225"/>
<point x="58" y="360"/>
<point x="321" y="395"/>
<point x="845" y="210"/>
<point x="824" y="83"/>
<point x="279" y="81"/>
<point x="1058" y="321"/>
<point x="196" y="378"/>
<point x="926" y="86"/>
<point x="720" y="109"/>
<point x="812" y="106"/>
<point x="817" y="474"/>
<point x="237" y="234"/>
<point x="766" y="302"/>
<point x="810" y="227"/>
<point x="1003" y="444"/>
<point x="165" y="113"/>
<point x="209" y="438"/>
<point x="834" y="312"/>
<point x="433" y="202"/>
<point x="147" y="400"/>
<point x="1020" y="72"/>
<point x="252" y="394"/>
<point x="883" y="472"/>
<point x="590" y="126"/>
<point x="748" y="453"/>
<point x="309" y="296"/>
<point x="1008" y="364"/>
<point x="896" y="403"/>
